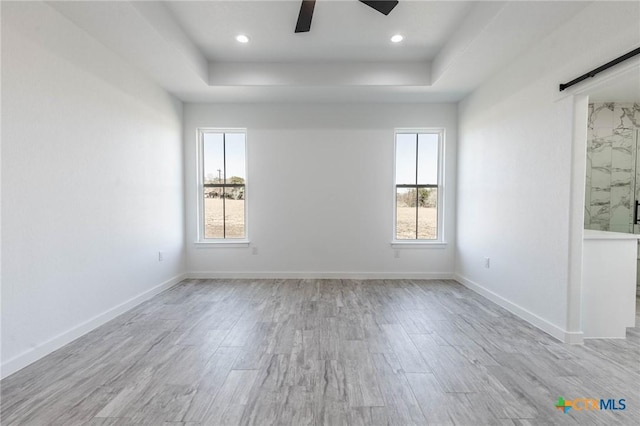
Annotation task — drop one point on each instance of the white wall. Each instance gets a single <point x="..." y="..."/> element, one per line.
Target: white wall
<point x="320" y="190"/>
<point x="92" y="184"/>
<point x="515" y="170"/>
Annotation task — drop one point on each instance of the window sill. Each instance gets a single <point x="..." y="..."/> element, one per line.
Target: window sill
<point x="418" y="244"/>
<point x="222" y="244"/>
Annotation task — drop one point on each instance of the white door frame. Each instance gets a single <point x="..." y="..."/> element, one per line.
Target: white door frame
<point x="580" y="97"/>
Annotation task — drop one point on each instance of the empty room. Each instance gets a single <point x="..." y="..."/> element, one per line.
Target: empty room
<point x="331" y="212"/>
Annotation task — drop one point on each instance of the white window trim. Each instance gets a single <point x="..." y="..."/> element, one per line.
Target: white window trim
<point x="201" y="241"/>
<point x="441" y="242"/>
<point x="220" y="243"/>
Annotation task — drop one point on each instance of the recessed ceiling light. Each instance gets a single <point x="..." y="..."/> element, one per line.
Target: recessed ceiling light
<point x="242" y="38"/>
<point x="397" y="38"/>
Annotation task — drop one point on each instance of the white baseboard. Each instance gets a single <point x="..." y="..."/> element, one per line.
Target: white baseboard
<point x="324" y="275"/>
<point x="32" y="355"/>
<point x="530" y="317"/>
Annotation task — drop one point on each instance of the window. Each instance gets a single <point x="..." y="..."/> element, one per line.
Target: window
<point x="418" y="190"/>
<point x="222" y="184"/>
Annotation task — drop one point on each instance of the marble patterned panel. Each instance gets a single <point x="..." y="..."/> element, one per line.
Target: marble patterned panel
<point x="622" y="177"/>
<point x="620" y="228"/>
<point x="626" y="116"/>
<point x="621" y="139"/>
<point x="593" y="225"/>
<point x="600" y="197"/>
<point x="612" y="173"/>
<point x="600" y="178"/>
<point x="587" y="216"/>
<point x="601" y="152"/>
<point x="622" y="160"/>
<point x="620" y="209"/>
<point x="601" y="115"/>
<point x="587" y="192"/>
<point x="587" y="196"/>
<point x="636" y="140"/>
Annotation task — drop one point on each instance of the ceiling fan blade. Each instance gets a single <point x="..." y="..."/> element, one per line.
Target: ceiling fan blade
<point x="382" y="6"/>
<point x="304" y="18"/>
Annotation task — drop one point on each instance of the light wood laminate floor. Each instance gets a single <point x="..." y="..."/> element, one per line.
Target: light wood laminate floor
<point x="322" y="352"/>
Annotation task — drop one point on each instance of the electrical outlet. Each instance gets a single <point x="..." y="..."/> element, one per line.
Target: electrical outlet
<point x="487" y="262"/>
<point x="160" y="256"/>
<point x="396" y="254"/>
<point x="254" y="250"/>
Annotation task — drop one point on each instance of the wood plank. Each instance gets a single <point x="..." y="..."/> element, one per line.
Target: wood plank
<point x="316" y="352"/>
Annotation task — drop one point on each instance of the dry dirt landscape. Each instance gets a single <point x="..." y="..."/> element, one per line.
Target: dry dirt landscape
<point x="234" y="210"/>
<point x="427" y="223"/>
<point x="427" y="220"/>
